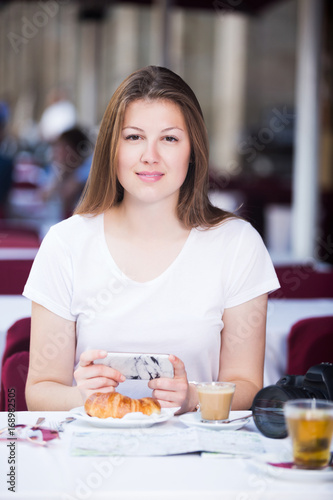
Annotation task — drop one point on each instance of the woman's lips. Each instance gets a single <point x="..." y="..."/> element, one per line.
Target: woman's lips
<point x="150" y="176"/>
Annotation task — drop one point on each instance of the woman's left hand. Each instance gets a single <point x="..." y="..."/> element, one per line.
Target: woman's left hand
<point x="176" y="391"/>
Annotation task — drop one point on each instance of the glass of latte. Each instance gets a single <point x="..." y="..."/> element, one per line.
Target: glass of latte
<point x="215" y="400"/>
<point x="310" y="427"/>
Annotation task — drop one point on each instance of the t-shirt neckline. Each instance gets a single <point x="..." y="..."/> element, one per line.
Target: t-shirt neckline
<point x="123" y="275"/>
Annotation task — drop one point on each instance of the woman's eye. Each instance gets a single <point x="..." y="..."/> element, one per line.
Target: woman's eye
<point x="169" y="138"/>
<point x="132" y="137"/>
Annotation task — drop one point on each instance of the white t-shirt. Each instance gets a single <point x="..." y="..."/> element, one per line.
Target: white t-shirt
<point x="179" y="312"/>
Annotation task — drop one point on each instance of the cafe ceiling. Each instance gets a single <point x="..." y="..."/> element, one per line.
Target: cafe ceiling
<point x="246" y="6"/>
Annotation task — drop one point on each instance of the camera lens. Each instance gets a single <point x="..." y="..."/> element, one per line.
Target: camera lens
<point x="267" y="406"/>
<point x="267" y="410"/>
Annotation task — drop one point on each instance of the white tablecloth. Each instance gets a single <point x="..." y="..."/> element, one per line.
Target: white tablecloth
<point x="52" y="473"/>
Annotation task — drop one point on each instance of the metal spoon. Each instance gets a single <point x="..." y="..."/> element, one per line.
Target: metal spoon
<point x="228" y="421"/>
<point x="330" y="463"/>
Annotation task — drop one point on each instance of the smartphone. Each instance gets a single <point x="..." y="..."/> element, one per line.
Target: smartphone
<point x="138" y="366"/>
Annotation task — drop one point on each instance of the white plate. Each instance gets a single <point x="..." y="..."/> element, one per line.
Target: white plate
<point x="265" y="464"/>
<point x="129" y="421"/>
<point x="193" y="419"/>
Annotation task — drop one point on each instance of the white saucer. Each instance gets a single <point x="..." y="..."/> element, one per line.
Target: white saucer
<point x="269" y="464"/>
<point x="129" y="421"/>
<point x="193" y="419"/>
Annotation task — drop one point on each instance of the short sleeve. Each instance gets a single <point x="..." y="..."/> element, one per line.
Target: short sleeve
<point x="252" y="272"/>
<point x="50" y="281"/>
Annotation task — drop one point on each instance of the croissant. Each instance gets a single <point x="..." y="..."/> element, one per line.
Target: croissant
<point x="116" y="405"/>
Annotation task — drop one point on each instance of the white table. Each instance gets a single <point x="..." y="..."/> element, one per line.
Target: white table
<point x="18" y="253"/>
<point x="52" y="473"/>
<point x="12" y="308"/>
<point x="281" y="315"/>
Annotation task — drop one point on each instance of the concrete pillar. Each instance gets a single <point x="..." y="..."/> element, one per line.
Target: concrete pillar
<point x="156" y="36"/>
<point x="68" y="48"/>
<point x="87" y="84"/>
<point x="306" y="156"/>
<point x="229" y="73"/>
<point x="126" y="35"/>
<point x="178" y="19"/>
<point x="198" y="47"/>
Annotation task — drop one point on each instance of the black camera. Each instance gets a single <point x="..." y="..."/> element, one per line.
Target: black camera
<point x="267" y="406"/>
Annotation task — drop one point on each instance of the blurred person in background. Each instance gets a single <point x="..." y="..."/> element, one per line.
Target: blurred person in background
<point x="7" y="153"/>
<point x="71" y="162"/>
<point x="58" y="116"/>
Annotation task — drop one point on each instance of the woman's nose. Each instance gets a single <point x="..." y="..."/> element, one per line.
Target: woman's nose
<point x="150" y="154"/>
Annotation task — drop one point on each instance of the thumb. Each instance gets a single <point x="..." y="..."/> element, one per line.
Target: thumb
<point x="178" y="366"/>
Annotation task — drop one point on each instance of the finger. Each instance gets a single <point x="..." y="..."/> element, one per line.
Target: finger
<point x="99" y="389"/>
<point x="168" y="399"/>
<point x="169" y="384"/>
<point x="165" y="384"/>
<point x="87" y="357"/>
<point x="164" y="396"/>
<point x="99" y="383"/>
<point x="178" y="366"/>
<point x="94" y="371"/>
<point x="168" y="404"/>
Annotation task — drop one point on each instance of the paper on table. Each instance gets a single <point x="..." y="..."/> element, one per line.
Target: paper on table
<point x="146" y="442"/>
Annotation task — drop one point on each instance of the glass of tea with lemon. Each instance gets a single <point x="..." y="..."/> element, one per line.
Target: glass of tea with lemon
<point x="310" y="427"/>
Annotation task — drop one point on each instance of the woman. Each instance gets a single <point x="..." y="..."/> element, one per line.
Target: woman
<point x="147" y="264"/>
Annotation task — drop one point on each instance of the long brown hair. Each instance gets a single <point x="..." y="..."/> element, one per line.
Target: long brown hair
<point x="103" y="189"/>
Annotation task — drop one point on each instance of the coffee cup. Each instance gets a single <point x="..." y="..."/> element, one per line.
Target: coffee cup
<point x="310" y="427"/>
<point x="215" y="400"/>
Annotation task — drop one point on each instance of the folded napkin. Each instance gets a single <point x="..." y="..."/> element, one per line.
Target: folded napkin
<point x="37" y="435"/>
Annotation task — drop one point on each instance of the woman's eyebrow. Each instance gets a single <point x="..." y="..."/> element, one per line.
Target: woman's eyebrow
<point x="164" y="130"/>
<point x="135" y="128"/>
<point x="172" y="128"/>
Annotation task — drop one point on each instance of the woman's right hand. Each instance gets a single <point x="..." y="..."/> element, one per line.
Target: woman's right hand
<point x="92" y="377"/>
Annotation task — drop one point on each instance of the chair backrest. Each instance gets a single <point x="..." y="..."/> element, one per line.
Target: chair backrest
<point x="18" y="248"/>
<point x="14" y="275"/>
<point x="15" y="363"/>
<point x="303" y="282"/>
<point x="310" y="342"/>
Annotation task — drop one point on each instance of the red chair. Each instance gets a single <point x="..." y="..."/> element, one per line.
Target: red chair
<point x="15" y="363"/>
<point x="310" y="342"/>
<point x="303" y="282"/>
<point x="14" y="275"/>
<point x="18" y="247"/>
<point x="13" y="236"/>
